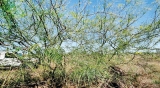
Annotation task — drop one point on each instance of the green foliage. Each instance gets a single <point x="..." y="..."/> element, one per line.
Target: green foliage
<point x="10" y="55"/>
<point x="105" y="32"/>
<point x="8" y="7"/>
<point x="53" y="54"/>
<point x="88" y="68"/>
<point x="73" y="14"/>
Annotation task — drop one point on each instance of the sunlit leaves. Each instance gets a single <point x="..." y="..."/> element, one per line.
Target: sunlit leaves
<point x="73" y="14"/>
<point x="139" y="2"/>
<point x="128" y="1"/>
<point x="108" y="24"/>
<point x="109" y="4"/>
<point x="120" y="5"/>
<point x="7" y="5"/>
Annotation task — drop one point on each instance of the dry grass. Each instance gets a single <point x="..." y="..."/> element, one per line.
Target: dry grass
<point x="145" y="72"/>
<point x="140" y="72"/>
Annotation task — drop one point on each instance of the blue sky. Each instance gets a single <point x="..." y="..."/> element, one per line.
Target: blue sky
<point x="148" y="3"/>
<point x="147" y="18"/>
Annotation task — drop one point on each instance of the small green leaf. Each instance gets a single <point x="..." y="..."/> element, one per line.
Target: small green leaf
<point x="74" y="14"/>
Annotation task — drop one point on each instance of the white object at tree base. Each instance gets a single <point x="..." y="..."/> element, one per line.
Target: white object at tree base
<point x="2" y="55"/>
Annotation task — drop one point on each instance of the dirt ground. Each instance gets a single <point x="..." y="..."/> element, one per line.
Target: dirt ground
<point x="145" y="72"/>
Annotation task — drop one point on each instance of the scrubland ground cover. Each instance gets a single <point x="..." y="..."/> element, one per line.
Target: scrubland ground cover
<point x="88" y="71"/>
